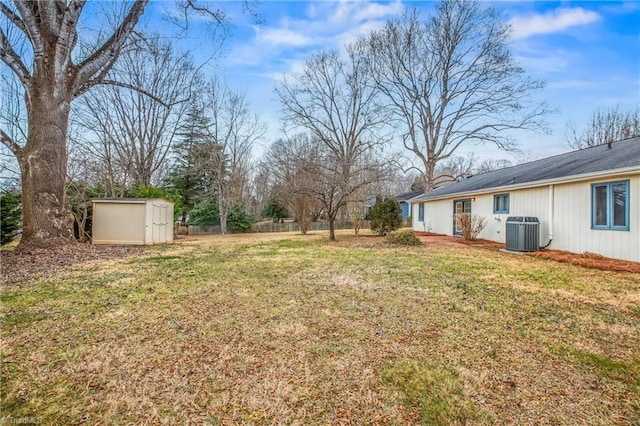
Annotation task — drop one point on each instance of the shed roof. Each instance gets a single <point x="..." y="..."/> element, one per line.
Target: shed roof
<point x="125" y="200"/>
<point x="620" y="155"/>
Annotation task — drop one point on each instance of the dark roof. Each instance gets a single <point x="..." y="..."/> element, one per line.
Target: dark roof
<point x="622" y="154"/>
<point x="407" y="195"/>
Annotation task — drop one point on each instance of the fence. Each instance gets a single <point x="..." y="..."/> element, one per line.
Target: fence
<point x="279" y="227"/>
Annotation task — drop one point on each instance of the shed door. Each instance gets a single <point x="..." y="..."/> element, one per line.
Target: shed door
<point x="460" y="206"/>
<point x="160" y="223"/>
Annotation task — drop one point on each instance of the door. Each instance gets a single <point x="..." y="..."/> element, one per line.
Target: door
<point x="460" y="206"/>
<point x="160" y="223"/>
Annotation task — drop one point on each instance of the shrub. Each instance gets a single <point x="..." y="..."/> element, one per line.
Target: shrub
<point x="470" y="224"/>
<point x="10" y="216"/>
<point x="275" y="211"/>
<point x="239" y="220"/>
<point x="404" y="237"/>
<point x="386" y="215"/>
<point x="205" y="213"/>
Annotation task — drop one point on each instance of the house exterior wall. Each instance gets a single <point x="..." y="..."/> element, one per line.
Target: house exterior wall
<point x="572" y="207"/>
<point x="438" y="217"/>
<point x="572" y="222"/>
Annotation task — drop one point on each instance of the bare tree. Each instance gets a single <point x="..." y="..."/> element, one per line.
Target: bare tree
<point x="38" y="41"/>
<point x="451" y="80"/>
<point x="334" y="102"/>
<point x="605" y="126"/>
<point x="227" y="162"/>
<point x="289" y="161"/>
<point x="259" y="189"/>
<point x="457" y="168"/>
<point x="13" y="121"/>
<point x="132" y="131"/>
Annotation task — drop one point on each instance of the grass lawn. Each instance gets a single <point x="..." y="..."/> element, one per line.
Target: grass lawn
<point x="290" y="329"/>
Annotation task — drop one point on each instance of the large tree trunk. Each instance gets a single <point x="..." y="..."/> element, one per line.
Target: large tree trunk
<point x="332" y="226"/>
<point x="43" y="164"/>
<point x="430" y="168"/>
<point x="224" y="213"/>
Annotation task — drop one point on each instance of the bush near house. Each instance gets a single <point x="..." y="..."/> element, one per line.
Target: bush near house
<point x="471" y="225"/>
<point x="404" y="237"/>
<point x="385" y="215"/>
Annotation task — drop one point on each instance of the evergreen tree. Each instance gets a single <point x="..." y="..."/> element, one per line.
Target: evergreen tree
<point x="386" y="215"/>
<point x="276" y="211"/>
<point x="10" y="216"/>
<point x="186" y="180"/>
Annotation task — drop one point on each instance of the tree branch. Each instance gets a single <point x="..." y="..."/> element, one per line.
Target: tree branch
<point x="107" y="54"/>
<point x="10" y="143"/>
<point x="91" y="83"/>
<point x="13" y="61"/>
<point x="27" y="11"/>
<point x="15" y="19"/>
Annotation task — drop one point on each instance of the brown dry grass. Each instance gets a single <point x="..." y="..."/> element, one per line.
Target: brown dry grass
<point x="289" y="329"/>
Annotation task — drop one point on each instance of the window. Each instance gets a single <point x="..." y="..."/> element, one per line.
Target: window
<point x="610" y="205"/>
<point x="501" y="204"/>
<point x="421" y="212"/>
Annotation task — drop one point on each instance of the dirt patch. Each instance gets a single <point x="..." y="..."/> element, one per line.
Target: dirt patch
<point x="589" y="260"/>
<point x="39" y="263"/>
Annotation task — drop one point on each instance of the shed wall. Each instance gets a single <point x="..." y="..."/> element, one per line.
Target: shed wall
<point x="122" y="223"/>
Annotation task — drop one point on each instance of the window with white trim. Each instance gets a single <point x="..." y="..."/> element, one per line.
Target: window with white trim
<point x="421" y="212"/>
<point x="610" y="205"/>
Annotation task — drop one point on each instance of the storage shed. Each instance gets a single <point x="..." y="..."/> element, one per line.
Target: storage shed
<point x="132" y="221"/>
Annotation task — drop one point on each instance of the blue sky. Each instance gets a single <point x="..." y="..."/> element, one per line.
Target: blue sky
<point x="588" y="53"/>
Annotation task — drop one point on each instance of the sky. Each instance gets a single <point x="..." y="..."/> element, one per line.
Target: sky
<point x="588" y="53"/>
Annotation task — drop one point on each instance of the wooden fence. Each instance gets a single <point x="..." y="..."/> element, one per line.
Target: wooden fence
<point x="279" y="227"/>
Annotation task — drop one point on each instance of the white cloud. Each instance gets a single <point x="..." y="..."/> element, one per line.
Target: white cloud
<point x="551" y="22"/>
<point x="281" y="37"/>
<point x="378" y="10"/>
<point x="323" y="25"/>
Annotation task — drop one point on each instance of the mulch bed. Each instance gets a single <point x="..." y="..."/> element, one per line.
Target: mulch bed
<point x="39" y="263"/>
<point x="589" y="260"/>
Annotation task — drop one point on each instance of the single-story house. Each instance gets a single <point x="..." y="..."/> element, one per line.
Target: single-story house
<point x="586" y="201"/>
<point x="403" y="199"/>
<point x="132" y="221"/>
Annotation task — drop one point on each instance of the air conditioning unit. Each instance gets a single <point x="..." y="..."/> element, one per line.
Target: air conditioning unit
<point x="522" y="233"/>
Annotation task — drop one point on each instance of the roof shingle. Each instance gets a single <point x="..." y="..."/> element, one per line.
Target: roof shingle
<point x="621" y="154"/>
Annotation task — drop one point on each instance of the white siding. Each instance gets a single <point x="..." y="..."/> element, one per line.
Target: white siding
<point x="572" y="224"/>
<point x="571" y="212"/>
<point x="438" y="217"/>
